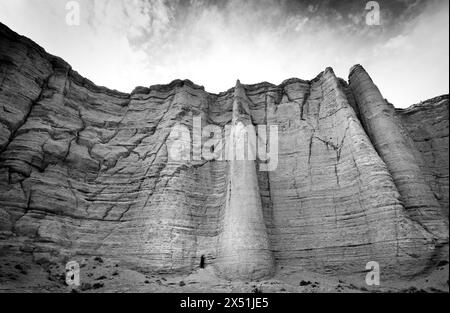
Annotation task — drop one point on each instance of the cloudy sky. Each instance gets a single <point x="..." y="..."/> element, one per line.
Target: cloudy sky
<point x="126" y="43"/>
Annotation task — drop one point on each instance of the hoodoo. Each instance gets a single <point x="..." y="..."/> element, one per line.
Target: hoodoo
<point x="397" y="150"/>
<point x="244" y="249"/>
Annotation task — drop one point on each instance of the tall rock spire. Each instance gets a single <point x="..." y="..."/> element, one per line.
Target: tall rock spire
<point x="244" y="248"/>
<point x="398" y="153"/>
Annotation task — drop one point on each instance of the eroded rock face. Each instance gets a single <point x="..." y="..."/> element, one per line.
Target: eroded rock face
<point x="85" y="170"/>
<point x="397" y="149"/>
<point x="427" y="125"/>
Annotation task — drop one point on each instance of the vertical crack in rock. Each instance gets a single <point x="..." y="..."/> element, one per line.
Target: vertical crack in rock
<point x="304" y="101"/>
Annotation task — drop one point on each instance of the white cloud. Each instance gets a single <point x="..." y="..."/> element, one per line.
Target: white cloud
<point x="122" y="44"/>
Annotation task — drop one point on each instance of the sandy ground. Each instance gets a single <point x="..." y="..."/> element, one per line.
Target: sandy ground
<point x="21" y="274"/>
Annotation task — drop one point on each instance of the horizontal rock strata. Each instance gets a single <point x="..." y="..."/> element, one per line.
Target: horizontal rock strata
<point x="85" y="170"/>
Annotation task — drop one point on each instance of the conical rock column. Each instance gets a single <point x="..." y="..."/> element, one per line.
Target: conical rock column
<point x="244" y="249"/>
<point x="398" y="154"/>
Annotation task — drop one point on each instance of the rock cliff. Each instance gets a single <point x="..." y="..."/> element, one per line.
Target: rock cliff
<point x="85" y="171"/>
